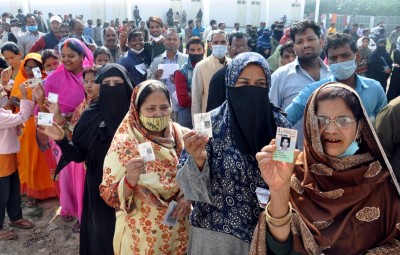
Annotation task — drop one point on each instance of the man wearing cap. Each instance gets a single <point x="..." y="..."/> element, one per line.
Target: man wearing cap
<point x="51" y="39"/>
<point x="155" y="46"/>
<point x="28" y="39"/>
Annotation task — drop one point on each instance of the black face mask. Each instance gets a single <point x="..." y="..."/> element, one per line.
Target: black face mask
<point x="196" y="57"/>
<point x="253" y="124"/>
<point x="114" y="103"/>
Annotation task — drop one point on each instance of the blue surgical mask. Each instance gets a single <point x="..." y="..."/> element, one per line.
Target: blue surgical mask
<point x="343" y="70"/>
<point x="351" y="150"/>
<point x="219" y="51"/>
<point x="33" y="28"/>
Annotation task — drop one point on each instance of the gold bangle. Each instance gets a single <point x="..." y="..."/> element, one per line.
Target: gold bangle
<point x="278" y="222"/>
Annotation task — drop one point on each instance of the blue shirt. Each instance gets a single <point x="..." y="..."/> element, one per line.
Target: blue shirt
<point x="88" y="31"/>
<point x="370" y="91"/>
<point x="196" y="31"/>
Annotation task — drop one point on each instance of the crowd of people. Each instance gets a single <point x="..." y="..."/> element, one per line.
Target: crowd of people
<point x="121" y="85"/>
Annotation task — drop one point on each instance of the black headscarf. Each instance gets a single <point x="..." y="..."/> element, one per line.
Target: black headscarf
<point x="253" y="124"/>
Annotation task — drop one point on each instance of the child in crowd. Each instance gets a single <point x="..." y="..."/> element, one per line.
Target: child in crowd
<point x="364" y="54"/>
<point x="10" y="129"/>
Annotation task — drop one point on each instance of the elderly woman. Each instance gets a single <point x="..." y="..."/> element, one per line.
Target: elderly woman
<point x="342" y="188"/>
<point x="141" y="192"/>
<point x="91" y="140"/>
<point x="221" y="174"/>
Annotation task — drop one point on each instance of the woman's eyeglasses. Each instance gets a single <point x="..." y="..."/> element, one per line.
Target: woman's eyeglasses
<point x="29" y="68"/>
<point x="341" y="122"/>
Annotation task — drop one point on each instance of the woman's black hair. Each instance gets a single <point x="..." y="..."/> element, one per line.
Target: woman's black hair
<point x="101" y="50"/>
<point x="10" y="46"/>
<point x="155" y="86"/>
<point x="49" y="53"/>
<point x="348" y="97"/>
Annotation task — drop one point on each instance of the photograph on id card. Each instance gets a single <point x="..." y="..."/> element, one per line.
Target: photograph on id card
<point x="52" y="97"/>
<point x="45" y="119"/>
<point x="146" y="151"/>
<point x="285" y="144"/>
<point x="202" y="123"/>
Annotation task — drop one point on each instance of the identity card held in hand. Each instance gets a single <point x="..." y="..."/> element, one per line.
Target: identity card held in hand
<point x="146" y="152"/>
<point x="168" y="220"/>
<point x="45" y="119"/>
<point x="286" y="144"/>
<point x="202" y="123"/>
<point x="52" y="97"/>
<point x="37" y="73"/>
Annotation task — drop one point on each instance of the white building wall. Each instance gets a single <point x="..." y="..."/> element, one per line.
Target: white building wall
<point x="221" y="10"/>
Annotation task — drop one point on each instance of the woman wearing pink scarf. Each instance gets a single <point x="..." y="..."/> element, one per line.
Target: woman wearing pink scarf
<point x="67" y="82"/>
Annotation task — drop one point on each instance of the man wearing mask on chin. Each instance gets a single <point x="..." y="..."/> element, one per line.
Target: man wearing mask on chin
<point x="136" y="61"/>
<point x="171" y="56"/>
<point x="183" y="80"/>
<point x="155" y="46"/>
<point x="205" y="69"/>
<point x="28" y="39"/>
<point x="341" y="52"/>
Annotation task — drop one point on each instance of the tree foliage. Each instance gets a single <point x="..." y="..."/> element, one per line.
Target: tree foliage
<point x="356" y="7"/>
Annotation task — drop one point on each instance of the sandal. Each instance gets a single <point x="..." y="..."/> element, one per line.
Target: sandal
<point x="32" y="202"/>
<point x="22" y="223"/>
<point x="76" y="227"/>
<point x="7" y="235"/>
<point x="67" y="218"/>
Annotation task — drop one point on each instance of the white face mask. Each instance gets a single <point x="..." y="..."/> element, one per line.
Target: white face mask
<point x="158" y="38"/>
<point x="16" y="30"/>
<point x="137" y="51"/>
<point x="49" y="72"/>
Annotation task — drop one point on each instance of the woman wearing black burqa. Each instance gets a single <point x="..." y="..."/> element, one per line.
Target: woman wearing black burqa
<point x="380" y="64"/>
<point x="394" y="87"/>
<point x="91" y="140"/>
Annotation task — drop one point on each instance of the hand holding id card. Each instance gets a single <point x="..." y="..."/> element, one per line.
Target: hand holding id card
<point x="202" y="123"/>
<point x="286" y="144"/>
<point x="168" y="220"/>
<point x="146" y="152"/>
<point x="33" y="83"/>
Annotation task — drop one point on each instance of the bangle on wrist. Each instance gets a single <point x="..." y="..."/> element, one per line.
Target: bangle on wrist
<point x="127" y="183"/>
<point x="278" y="222"/>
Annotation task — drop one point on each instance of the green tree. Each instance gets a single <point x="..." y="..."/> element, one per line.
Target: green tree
<point x="356" y="7"/>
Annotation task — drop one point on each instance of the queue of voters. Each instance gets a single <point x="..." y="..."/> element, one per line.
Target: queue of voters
<point x="161" y="136"/>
